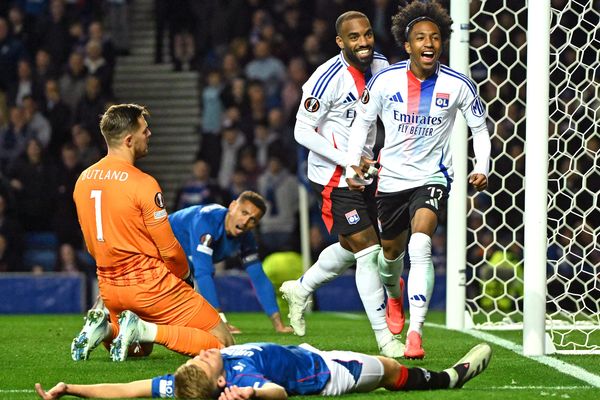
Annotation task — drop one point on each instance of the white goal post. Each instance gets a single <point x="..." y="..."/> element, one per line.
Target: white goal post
<point x="525" y="254"/>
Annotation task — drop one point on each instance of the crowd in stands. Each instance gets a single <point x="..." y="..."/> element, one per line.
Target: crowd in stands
<point x="253" y="56"/>
<point x="56" y="73"/>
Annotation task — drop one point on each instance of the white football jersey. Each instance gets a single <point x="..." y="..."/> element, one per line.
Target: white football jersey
<point x="418" y="117"/>
<point x="328" y="103"/>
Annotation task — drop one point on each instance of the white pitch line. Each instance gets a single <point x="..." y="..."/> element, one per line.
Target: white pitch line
<point x="561" y="366"/>
<point x="16" y="391"/>
<point x="540" y="387"/>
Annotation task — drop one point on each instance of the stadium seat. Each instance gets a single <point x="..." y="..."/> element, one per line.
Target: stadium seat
<point x="45" y="258"/>
<point x="41" y="240"/>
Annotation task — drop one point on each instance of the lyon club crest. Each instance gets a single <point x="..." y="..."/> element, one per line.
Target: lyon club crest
<point x="442" y="100"/>
<point x="352" y="217"/>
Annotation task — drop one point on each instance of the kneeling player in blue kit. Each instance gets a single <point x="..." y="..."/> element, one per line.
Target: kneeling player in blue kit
<point x="273" y="371"/>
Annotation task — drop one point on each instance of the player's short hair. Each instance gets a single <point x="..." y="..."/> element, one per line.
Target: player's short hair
<point x="191" y="382"/>
<point x="121" y="119"/>
<point x="417" y="11"/>
<point x="254" y="198"/>
<point x="347" y="16"/>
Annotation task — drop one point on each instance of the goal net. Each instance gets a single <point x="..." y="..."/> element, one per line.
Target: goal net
<point x="494" y="275"/>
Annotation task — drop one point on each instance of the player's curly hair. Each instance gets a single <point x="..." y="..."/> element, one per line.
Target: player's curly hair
<point x="419" y="10"/>
<point x="191" y="382"/>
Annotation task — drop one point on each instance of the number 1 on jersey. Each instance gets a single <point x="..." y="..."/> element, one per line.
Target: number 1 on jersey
<point x="97" y="196"/>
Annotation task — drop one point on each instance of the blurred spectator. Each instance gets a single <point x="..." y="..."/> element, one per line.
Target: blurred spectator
<point x="231" y="141"/>
<point x="90" y="108"/>
<point x="13" y="138"/>
<point x="66" y="225"/>
<point x="238" y="183"/>
<point x="59" y="115"/>
<point x="230" y="67"/>
<point x="72" y="81"/>
<point x="34" y="181"/>
<point x="87" y="150"/>
<point x="38" y="125"/>
<point x="181" y="27"/>
<point x="117" y="15"/>
<point x="53" y="32"/>
<point x="265" y="142"/>
<point x="256" y="112"/>
<point x="12" y="233"/>
<point x="20" y="28"/>
<point x="313" y="53"/>
<point x="267" y="69"/>
<point x="246" y="160"/>
<point x="44" y="69"/>
<point x="98" y="67"/>
<point x="234" y="93"/>
<point x="11" y="51"/>
<point x="68" y="261"/>
<point x="109" y="52"/>
<point x="280" y="189"/>
<point x="291" y="93"/>
<point x="24" y="85"/>
<point x="78" y="37"/>
<point x="212" y="108"/>
<point x="10" y="259"/>
<point x="199" y="189"/>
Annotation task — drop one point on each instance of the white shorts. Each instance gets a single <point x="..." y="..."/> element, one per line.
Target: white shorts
<point x="345" y="374"/>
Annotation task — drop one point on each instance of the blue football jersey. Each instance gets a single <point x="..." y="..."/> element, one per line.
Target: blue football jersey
<point x="201" y="232"/>
<point x="299" y="371"/>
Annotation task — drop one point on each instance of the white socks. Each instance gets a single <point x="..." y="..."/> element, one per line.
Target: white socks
<point x="147" y="331"/>
<point x="332" y="262"/>
<point x="420" y="279"/>
<point x="369" y="286"/>
<point x="390" y="272"/>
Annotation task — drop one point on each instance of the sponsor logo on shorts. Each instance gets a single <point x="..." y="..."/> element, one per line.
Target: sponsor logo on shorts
<point x="312" y="104"/>
<point x="159" y="200"/>
<point x="352" y="217"/>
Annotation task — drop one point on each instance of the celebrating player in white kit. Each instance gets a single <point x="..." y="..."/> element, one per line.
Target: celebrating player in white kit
<point x="417" y="100"/>
<point x="323" y="124"/>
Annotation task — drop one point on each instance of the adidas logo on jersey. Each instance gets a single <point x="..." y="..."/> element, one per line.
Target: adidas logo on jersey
<point x="349" y="99"/>
<point x="397" y="98"/>
<point x="433" y="203"/>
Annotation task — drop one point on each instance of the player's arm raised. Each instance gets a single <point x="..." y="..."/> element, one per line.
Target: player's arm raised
<point x="141" y="388"/>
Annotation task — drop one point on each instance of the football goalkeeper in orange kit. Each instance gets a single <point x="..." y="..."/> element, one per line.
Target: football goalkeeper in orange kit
<point x="142" y="269"/>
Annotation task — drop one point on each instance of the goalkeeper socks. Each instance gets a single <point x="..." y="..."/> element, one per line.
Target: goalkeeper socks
<point x="369" y="286"/>
<point x="420" y="279"/>
<point x="421" y="379"/>
<point x="390" y="272"/>
<point x="186" y="340"/>
<point x="332" y="262"/>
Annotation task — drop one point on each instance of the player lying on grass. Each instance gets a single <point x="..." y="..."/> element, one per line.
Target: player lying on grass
<point x="272" y="371"/>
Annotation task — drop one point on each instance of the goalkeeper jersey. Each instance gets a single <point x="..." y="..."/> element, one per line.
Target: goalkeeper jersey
<point x="298" y="370"/>
<point x="329" y="97"/>
<point x="418" y="117"/>
<point x="124" y="222"/>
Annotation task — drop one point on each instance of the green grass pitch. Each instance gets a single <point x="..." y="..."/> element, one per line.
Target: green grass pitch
<point x="35" y="348"/>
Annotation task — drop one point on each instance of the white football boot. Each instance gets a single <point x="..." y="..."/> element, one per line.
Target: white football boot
<point x="394" y="348"/>
<point x="94" y="331"/>
<point x="472" y="364"/>
<point x="128" y="334"/>
<point x="298" y="304"/>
